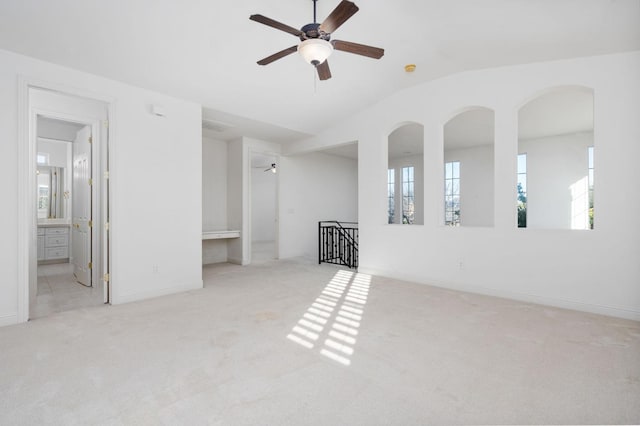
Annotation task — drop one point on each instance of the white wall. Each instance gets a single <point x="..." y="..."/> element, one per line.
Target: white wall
<point x="591" y="270"/>
<point x="476" y="184"/>
<point x="314" y="187"/>
<point x="555" y="165"/>
<point x="155" y="183"/>
<point x="263" y="205"/>
<point x="214" y="198"/>
<point x="235" y="200"/>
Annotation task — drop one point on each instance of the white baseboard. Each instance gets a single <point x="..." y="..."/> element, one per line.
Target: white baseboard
<point x="236" y="261"/>
<point x="143" y="295"/>
<point x="612" y="311"/>
<point x="11" y="319"/>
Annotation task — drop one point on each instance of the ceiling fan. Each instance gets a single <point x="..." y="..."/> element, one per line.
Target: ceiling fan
<point x="316" y="44"/>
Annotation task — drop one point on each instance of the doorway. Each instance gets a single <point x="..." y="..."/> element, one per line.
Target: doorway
<point x="264" y="207"/>
<point x="68" y="236"/>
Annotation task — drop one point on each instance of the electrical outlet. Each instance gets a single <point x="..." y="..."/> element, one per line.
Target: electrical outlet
<point x="460" y="264"/>
<point x="155" y="269"/>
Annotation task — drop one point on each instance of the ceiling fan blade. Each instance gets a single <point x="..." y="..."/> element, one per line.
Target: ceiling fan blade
<point x="276" y="56"/>
<point x="339" y="16"/>
<point x="275" y="24"/>
<point x="324" y="73"/>
<point x="358" y="49"/>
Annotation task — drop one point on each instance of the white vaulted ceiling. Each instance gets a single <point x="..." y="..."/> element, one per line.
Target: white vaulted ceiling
<point x="206" y="50"/>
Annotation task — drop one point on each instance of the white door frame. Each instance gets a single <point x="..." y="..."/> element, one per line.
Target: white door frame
<point x="27" y="148"/>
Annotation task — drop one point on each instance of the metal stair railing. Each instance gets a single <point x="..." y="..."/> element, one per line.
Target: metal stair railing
<point x="338" y="243"/>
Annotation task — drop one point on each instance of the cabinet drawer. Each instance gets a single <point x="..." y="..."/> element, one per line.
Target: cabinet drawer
<point x="56" y="240"/>
<point x="57" y="231"/>
<point x="40" y="231"/>
<point x="57" y="252"/>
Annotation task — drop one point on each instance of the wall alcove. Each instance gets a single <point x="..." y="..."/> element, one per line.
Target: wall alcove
<point x="405" y="175"/>
<point x="556" y="160"/>
<point x="468" y="155"/>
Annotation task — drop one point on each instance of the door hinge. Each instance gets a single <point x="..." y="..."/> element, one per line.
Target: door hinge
<point x="90" y="139"/>
<point x="106" y="226"/>
<point x="90" y="182"/>
<point x="106" y="277"/>
<point x="106" y="174"/>
<point x="90" y="265"/>
<point x="90" y="224"/>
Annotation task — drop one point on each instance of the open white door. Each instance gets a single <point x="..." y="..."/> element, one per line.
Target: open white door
<point x="81" y="207"/>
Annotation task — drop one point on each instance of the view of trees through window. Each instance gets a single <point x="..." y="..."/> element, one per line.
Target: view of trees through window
<point x="522" y="190"/>
<point x="408" y="195"/>
<point x="391" y="204"/>
<point x="590" y="155"/>
<point x="452" y="193"/>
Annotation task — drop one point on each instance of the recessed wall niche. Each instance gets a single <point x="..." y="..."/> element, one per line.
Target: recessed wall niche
<point x="405" y="175"/>
<point x="469" y="168"/>
<point x="555" y="160"/>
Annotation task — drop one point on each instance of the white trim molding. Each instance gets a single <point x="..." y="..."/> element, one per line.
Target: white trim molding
<point x="143" y="295"/>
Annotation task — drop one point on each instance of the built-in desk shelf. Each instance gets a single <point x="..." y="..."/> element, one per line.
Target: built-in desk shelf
<point x="219" y="235"/>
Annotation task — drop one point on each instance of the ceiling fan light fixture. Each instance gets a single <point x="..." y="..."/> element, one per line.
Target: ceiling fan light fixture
<point x="315" y="50"/>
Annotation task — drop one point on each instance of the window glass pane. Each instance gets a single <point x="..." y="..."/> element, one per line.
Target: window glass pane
<point x="522" y="180"/>
<point x="591" y="157"/>
<point x="522" y="163"/>
<point x="42" y="158"/>
<point x="452" y="193"/>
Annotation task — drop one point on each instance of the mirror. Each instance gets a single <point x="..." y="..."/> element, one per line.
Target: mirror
<point x="555" y="160"/>
<point x="52" y="195"/>
<point x="468" y="168"/>
<point x="53" y="160"/>
<point x="405" y="171"/>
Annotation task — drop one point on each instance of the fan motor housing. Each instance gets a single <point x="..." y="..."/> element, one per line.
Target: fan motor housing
<point x="312" y="31"/>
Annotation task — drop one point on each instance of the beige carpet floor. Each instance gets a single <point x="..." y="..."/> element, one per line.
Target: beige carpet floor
<point x="293" y="343"/>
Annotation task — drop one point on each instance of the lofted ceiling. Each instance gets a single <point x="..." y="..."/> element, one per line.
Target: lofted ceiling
<point x="206" y="51"/>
